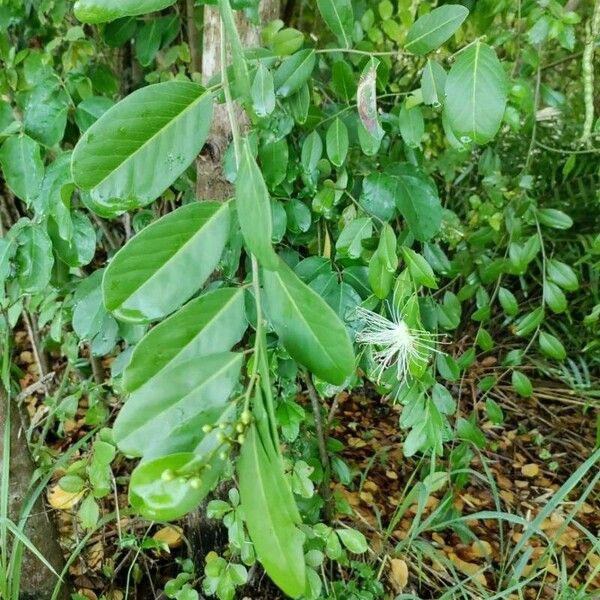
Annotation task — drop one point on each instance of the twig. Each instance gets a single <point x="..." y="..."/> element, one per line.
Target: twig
<point x="322" y="443"/>
<point x="107" y="233"/>
<point x="40" y="384"/>
<point x="36" y="344"/>
<point x="587" y="65"/>
<point x="97" y="368"/>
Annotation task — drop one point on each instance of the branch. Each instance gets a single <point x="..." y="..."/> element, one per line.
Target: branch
<point x="322" y="443"/>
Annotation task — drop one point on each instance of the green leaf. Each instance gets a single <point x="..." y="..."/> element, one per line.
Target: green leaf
<point x="433" y="83"/>
<point x="342" y="81"/>
<point x="307" y="327"/>
<point x="154" y="35"/>
<point x="350" y="240"/>
<point x="551" y="346"/>
<point x="88" y="512"/>
<point x="263" y="92"/>
<point x="271" y="514"/>
<point x="45" y="112"/>
<point x="101" y="11"/>
<point x="412" y="125"/>
<point x="184" y="247"/>
<point x="383" y="264"/>
<point x="34" y="258"/>
<point x="529" y="322"/>
<point x="90" y="110"/>
<point x="467" y="431"/>
<point x="339" y="16"/>
<point x="554" y="297"/>
<point x="522" y="385"/>
<point x="433" y="29"/>
<point x="508" y="301"/>
<point x="167" y="413"/>
<point x="354" y="540"/>
<point x="159" y="494"/>
<point x="89" y="311"/>
<point x="419" y="269"/>
<point x="562" y="274"/>
<point x="140" y="146"/>
<point x="476" y="94"/>
<point x="556" y="219"/>
<point x="342" y="297"/>
<point x="212" y="323"/>
<point x="79" y="250"/>
<point x="22" y="166"/>
<point x="417" y="200"/>
<point x="312" y="150"/>
<point x="274" y="162"/>
<point x="378" y="196"/>
<point x="254" y="209"/>
<point x="336" y="141"/>
<point x="293" y="72"/>
<point x="287" y="41"/>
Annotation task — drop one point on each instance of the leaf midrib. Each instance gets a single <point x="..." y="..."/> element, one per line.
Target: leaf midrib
<point x="430" y="32"/>
<point x="204" y="94"/>
<point x="211" y="377"/>
<point x="181" y="248"/>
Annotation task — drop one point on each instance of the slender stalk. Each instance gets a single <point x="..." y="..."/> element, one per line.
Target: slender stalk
<point x="228" y="27"/>
<point x="322" y="443"/>
<point x="36" y="344"/>
<point x="587" y="65"/>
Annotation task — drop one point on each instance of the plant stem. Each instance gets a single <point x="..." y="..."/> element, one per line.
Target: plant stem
<point x="322" y="443"/>
<point x="587" y="65"/>
<point x="36" y="344"/>
<point x="237" y="145"/>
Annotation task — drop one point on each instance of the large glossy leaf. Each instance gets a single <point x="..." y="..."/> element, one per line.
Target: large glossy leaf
<point x="339" y="16"/>
<point x="167" y="262"/>
<point x="140" y="146"/>
<point x="101" y="11"/>
<point x="270" y="511"/>
<point x="166" y="415"/>
<point x="476" y="94"/>
<point x="212" y="323"/>
<point x="169" y="487"/>
<point x="307" y="327"/>
<point x="434" y="28"/>
<point x="22" y="166"/>
<point x="254" y="208"/>
<point x="293" y="72"/>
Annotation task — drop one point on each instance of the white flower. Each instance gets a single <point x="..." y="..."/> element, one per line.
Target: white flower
<point x="393" y="342"/>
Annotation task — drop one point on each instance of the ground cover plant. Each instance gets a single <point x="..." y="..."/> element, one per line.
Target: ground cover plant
<point x="299" y="300"/>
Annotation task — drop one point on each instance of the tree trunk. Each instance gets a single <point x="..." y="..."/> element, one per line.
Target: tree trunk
<point x="37" y="582"/>
<point x="211" y="184"/>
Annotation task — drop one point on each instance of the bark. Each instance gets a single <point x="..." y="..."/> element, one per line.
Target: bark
<point x="37" y="582"/>
<point x="211" y="184"/>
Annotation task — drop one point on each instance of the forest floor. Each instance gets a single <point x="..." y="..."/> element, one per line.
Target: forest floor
<point x="540" y="444"/>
